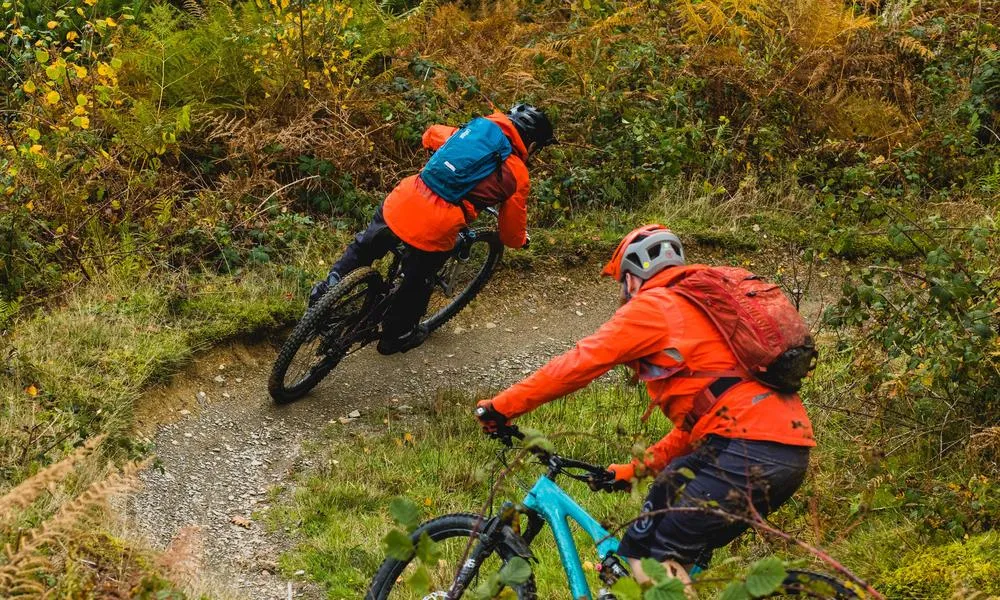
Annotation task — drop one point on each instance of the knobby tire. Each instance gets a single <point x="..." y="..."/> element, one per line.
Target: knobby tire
<point x="449" y="526"/>
<point x="306" y="330"/>
<point x="809" y="584"/>
<point x="445" y="314"/>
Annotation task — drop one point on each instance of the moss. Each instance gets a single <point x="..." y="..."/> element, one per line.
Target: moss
<point x="943" y="571"/>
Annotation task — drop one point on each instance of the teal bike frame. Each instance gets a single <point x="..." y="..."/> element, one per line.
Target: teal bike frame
<point x="556" y="507"/>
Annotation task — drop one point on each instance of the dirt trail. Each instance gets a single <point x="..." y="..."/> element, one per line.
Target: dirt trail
<point x="224" y="446"/>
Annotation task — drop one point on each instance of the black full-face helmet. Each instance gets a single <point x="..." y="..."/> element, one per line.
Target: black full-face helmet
<point x="532" y="125"/>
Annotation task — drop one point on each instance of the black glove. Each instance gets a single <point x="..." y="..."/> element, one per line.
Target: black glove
<point x="490" y="419"/>
<point x="527" y="242"/>
<point x="606" y="482"/>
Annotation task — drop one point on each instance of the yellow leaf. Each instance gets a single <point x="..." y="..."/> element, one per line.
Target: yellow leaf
<point x="79" y="110"/>
<point x="428" y="502"/>
<point x="35" y="149"/>
<point x="72" y="35"/>
<point x="29" y="87"/>
<point x="82" y="122"/>
<point x="52" y="97"/>
<point x="81" y="72"/>
<point x="33" y="133"/>
<point x="31" y="390"/>
<point x="116" y="204"/>
<point x="408" y="437"/>
<point x="80" y="12"/>
<point x="81" y="100"/>
<point x="52" y="24"/>
<point x="90" y="2"/>
<point x="305" y="83"/>
<point x="111" y="22"/>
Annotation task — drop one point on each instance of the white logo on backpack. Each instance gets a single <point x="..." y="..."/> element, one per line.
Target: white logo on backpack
<point x="450" y="166"/>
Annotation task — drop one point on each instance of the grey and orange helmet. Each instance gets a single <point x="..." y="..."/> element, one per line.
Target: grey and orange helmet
<point x="645" y="252"/>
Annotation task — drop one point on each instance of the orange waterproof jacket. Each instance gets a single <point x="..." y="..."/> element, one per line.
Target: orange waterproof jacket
<point x="655" y="333"/>
<point x="424" y="220"/>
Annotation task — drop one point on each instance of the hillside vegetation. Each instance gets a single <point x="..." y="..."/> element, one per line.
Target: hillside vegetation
<point x="176" y="173"/>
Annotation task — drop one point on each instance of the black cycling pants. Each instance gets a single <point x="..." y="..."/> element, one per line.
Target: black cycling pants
<point x="419" y="268"/>
<point x="728" y="474"/>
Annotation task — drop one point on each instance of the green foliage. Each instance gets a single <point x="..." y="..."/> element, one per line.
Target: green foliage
<point x="931" y="328"/>
<point x="960" y="568"/>
<point x="515" y="572"/>
<point x="664" y="587"/>
<point x="191" y="133"/>
<point x="765" y="576"/>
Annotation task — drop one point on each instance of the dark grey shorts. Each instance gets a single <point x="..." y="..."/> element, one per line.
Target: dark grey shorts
<point x="727" y="473"/>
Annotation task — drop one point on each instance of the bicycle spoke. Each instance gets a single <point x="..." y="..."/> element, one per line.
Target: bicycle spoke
<point x="326" y="344"/>
<point x="442" y="573"/>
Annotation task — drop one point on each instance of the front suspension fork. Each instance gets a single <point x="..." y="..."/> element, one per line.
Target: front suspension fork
<point x="501" y="529"/>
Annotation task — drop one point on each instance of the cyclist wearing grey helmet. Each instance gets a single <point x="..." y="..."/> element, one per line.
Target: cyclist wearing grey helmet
<point x="736" y="442"/>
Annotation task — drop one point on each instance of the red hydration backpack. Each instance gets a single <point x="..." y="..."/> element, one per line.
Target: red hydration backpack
<point x="762" y="327"/>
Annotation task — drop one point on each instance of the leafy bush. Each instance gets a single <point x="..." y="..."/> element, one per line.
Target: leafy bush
<point x="135" y="127"/>
<point x="929" y="329"/>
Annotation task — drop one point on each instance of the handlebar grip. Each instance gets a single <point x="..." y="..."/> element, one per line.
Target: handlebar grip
<point x="608" y="483"/>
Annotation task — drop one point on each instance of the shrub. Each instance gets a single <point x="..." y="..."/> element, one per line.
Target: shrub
<point x="954" y="570"/>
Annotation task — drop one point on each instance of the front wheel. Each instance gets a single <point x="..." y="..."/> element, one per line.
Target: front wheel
<point x="463" y="276"/>
<point x="452" y="534"/>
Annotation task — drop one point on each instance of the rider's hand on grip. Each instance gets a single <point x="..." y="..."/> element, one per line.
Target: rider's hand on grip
<point x="607" y="482"/>
<point x="491" y="420"/>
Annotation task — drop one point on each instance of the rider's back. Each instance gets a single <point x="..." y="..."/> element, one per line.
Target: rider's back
<point x="669" y="341"/>
<point x="426" y="221"/>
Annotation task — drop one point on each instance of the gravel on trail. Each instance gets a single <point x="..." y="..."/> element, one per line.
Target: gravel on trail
<point x="224" y="451"/>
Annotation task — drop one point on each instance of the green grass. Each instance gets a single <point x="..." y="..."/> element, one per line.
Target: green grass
<point x="90" y="358"/>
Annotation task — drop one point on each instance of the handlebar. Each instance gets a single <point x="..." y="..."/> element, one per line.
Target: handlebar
<point x="598" y="477"/>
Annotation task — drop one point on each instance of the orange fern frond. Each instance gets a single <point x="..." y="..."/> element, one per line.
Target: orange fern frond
<point x="912" y="45"/>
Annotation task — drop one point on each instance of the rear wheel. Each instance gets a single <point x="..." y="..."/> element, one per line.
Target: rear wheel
<point x="336" y="325"/>
<point x="452" y="533"/>
<point x="463" y="276"/>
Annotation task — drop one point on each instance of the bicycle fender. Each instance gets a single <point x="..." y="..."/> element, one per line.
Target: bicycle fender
<point x="516" y="543"/>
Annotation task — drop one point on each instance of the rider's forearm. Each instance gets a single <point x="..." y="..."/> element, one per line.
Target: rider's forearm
<point x="513" y="219"/>
<point x="562" y="375"/>
<point x="626" y="337"/>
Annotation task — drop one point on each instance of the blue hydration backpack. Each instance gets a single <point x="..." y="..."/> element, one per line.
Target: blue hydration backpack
<point x="470" y="155"/>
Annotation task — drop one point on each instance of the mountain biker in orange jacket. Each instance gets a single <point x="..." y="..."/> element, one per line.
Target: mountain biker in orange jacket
<point x="743" y="437"/>
<point x="429" y="225"/>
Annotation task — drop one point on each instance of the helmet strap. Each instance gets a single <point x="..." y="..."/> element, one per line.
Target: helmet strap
<point x="630" y="286"/>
